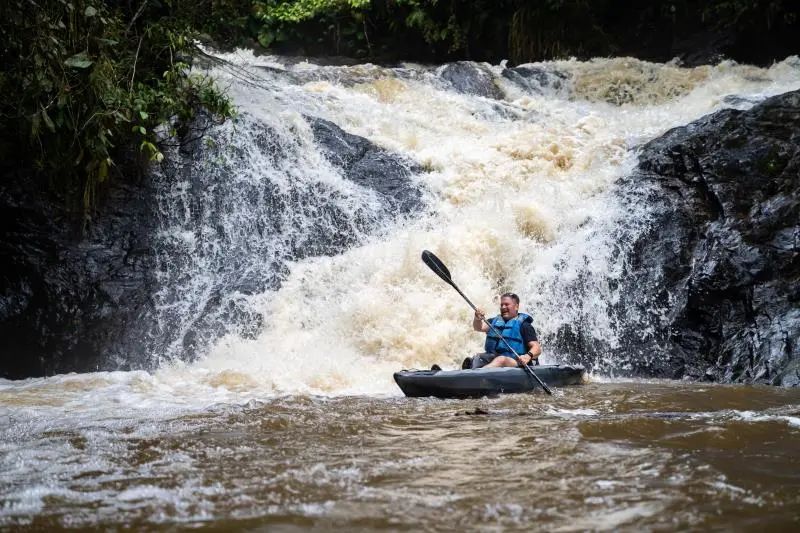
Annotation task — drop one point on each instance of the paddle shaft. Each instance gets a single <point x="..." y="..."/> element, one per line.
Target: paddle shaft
<point x="494" y="330"/>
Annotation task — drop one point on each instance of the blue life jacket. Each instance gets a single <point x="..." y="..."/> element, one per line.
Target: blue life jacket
<point x="511" y="332"/>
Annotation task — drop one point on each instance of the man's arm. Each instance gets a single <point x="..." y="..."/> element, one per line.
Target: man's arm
<point x="535" y="349"/>
<point x="531" y="341"/>
<point x="477" y="321"/>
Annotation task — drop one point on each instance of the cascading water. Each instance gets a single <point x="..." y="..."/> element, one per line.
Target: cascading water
<point x="257" y="193"/>
<point x="519" y="200"/>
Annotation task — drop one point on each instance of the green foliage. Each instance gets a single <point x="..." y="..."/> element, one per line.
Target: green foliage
<point x="300" y="10"/>
<point x="81" y="80"/>
<point x="440" y="30"/>
<point x="351" y="26"/>
<point x="281" y="21"/>
<point x="434" y="30"/>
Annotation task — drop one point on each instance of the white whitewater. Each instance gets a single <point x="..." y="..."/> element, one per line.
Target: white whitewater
<point x="519" y="203"/>
<point x="517" y="198"/>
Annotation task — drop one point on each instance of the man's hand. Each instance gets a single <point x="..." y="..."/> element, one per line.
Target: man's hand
<point x="477" y="320"/>
<point x="478" y="323"/>
<point x="524" y="359"/>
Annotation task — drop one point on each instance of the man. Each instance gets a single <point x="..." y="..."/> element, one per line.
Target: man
<point x="515" y="327"/>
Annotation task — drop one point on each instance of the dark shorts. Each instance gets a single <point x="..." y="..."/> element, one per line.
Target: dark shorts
<point x="483" y="359"/>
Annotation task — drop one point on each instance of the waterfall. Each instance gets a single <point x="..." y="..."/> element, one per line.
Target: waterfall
<point x="288" y="254"/>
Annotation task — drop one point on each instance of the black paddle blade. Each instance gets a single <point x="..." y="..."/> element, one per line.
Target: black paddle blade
<point x="435" y="264"/>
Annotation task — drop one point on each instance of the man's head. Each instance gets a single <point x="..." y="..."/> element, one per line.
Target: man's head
<point x="509" y="305"/>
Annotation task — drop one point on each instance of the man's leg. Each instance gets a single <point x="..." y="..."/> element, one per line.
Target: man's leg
<point x="481" y="360"/>
<point x="501" y="361"/>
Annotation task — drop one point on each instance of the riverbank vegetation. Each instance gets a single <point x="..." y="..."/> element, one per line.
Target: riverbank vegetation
<point x="85" y="81"/>
<point x="753" y="31"/>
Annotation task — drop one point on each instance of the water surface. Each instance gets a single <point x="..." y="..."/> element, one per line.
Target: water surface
<point x="632" y="455"/>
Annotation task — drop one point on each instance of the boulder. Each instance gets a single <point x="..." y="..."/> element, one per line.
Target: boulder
<point x="711" y="281"/>
<point x="467" y="77"/>
<point x="538" y="79"/>
<point x="365" y="163"/>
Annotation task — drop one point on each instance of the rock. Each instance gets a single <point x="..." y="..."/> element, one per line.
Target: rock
<point x="740" y="102"/>
<point x="369" y="165"/>
<point x="70" y="302"/>
<point x="537" y="79"/>
<point x="471" y="78"/>
<point x="714" y="280"/>
<point x="702" y="47"/>
<point x="125" y="293"/>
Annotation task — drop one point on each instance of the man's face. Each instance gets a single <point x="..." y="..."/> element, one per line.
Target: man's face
<point x="508" y="307"/>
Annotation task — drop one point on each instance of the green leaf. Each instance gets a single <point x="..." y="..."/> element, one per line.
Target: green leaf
<point x="143" y="114"/>
<point x="35" y="124"/>
<point x="90" y="11"/>
<point x="47" y="121"/>
<point x="78" y="61"/>
<point x="265" y="38"/>
<point x="102" y="171"/>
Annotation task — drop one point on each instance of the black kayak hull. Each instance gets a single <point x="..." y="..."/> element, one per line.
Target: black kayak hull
<point x="484" y="381"/>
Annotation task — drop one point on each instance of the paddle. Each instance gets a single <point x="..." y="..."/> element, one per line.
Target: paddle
<point x="435" y="264"/>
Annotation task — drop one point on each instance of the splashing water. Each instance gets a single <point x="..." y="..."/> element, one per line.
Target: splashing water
<point x="279" y="273"/>
<point x="519" y="200"/>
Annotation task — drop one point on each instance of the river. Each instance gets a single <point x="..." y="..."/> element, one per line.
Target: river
<point x="275" y="408"/>
<point x="111" y="450"/>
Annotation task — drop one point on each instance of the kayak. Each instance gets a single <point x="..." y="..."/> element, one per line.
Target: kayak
<point x="485" y="381"/>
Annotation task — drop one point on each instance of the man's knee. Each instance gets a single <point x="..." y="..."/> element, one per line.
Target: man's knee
<point x="506" y="361"/>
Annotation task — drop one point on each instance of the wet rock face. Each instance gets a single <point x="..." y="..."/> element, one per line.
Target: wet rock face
<point x="537" y="80"/>
<point x="716" y="277"/>
<point x="471" y="78"/>
<point x="71" y="302"/>
<point x="275" y="222"/>
<point x="369" y="165"/>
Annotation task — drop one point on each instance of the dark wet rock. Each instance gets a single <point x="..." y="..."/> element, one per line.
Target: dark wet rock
<point x="471" y="78"/>
<point x="536" y="79"/>
<point x="476" y="412"/>
<point x="274" y="223"/>
<point x="71" y="303"/>
<point x="503" y="111"/>
<point x="702" y="47"/>
<point x="740" y="102"/>
<point x="369" y="165"/>
<point x="118" y="295"/>
<point x="712" y="286"/>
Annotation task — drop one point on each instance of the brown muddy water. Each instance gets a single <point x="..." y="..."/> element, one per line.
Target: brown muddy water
<point x="629" y="455"/>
